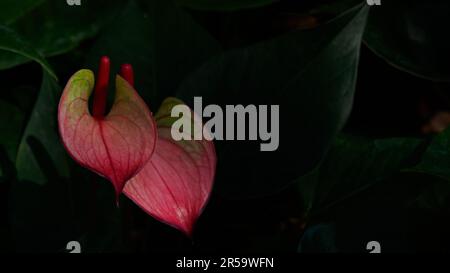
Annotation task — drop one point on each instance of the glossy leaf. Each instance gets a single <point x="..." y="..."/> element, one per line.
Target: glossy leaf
<point x="116" y="146"/>
<point x="14" y="45"/>
<point x="310" y="74"/>
<point x="176" y="183"/>
<point x="54" y="27"/>
<point x="410" y="36"/>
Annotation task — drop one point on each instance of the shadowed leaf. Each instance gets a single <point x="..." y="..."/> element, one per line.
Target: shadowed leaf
<point x="310" y="74"/>
<point x="14" y="45"/>
<point x="410" y="35"/>
<point x="42" y="126"/>
<point x="54" y="27"/>
<point x="353" y="165"/>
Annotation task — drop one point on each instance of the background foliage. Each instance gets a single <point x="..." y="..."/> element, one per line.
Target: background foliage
<point x="354" y="84"/>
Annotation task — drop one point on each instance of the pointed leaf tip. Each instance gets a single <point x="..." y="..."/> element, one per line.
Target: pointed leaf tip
<point x="176" y="183"/>
<point x="117" y="146"/>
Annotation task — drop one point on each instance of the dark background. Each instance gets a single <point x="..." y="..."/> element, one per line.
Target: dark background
<point x="364" y="95"/>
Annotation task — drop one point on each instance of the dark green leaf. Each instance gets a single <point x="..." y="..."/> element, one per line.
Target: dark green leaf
<point x="14" y="45"/>
<point x="221" y="5"/>
<point x="41" y="130"/>
<point x="354" y="165"/>
<point x="56" y="27"/>
<point x="411" y="36"/>
<point x="436" y="159"/>
<point x="12" y="9"/>
<point x="311" y="75"/>
<point x="162" y="43"/>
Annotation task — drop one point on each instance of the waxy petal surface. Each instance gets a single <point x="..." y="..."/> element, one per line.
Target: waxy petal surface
<point x="116" y="146"/>
<point x="175" y="185"/>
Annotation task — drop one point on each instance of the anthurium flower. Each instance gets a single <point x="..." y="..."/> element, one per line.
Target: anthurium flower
<point x="176" y="183"/>
<point x="170" y="180"/>
<point x="117" y="145"/>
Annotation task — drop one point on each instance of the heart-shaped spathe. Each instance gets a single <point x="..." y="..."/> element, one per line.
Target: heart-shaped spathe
<point x="176" y="183"/>
<point x="116" y="146"/>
